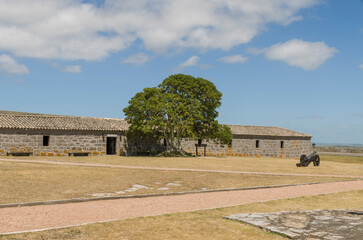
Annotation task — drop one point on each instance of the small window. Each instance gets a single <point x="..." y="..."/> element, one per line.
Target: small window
<point x="257" y="143"/>
<point x="45" y="141"/>
<point x="199" y="141"/>
<point x="164" y="142"/>
<point x="282" y="144"/>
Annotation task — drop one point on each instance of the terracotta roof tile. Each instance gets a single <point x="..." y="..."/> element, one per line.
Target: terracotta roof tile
<point x="18" y="120"/>
<point x="53" y="122"/>
<point x="265" y="131"/>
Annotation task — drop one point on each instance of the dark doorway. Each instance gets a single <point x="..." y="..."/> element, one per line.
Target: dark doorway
<point x="111" y="145"/>
<point x="46" y="141"/>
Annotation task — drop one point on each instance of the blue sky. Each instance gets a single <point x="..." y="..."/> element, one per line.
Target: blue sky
<point x="295" y="64"/>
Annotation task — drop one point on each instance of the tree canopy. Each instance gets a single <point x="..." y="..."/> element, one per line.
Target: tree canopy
<point x="182" y="106"/>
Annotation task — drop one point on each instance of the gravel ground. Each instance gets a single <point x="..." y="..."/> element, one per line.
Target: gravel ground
<point x="33" y="218"/>
<point x="168" y="169"/>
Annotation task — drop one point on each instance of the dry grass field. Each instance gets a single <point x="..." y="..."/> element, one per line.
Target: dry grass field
<point x="27" y="182"/>
<point x="342" y="159"/>
<point x="357" y="149"/>
<point x="24" y="182"/>
<point x="333" y="165"/>
<point x="203" y="225"/>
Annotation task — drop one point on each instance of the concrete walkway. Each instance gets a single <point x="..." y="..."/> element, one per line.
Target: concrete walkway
<point x="36" y="218"/>
<point x="318" y="224"/>
<point x="85" y="164"/>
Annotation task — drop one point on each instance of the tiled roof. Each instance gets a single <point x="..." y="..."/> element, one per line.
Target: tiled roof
<point x="19" y="120"/>
<point x="54" y="122"/>
<point x="265" y="131"/>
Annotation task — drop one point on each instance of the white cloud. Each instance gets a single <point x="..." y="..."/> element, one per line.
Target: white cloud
<point x="10" y="65"/>
<point x="73" y="69"/>
<point x="299" y="53"/>
<point x="192" y="61"/>
<point x="233" y="59"/>
<point x="137" y="59"/>
<point x="72" y="29"/>
<point x="361" y="66"/>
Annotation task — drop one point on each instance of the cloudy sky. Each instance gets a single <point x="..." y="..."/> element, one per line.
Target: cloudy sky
<point x="295" y="64"/>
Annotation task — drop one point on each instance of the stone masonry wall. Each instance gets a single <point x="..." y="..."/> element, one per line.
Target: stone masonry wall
<point x="60" y="142"/>
<point x="246" y="146"/>
<point x="63" y="142"/>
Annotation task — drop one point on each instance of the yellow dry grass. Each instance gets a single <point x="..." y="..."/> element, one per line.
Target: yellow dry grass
<point x="25" y="182"/>
<point x="342" y="159"/>
<point x="201" y="225"/>
<point x="333" y="165"/>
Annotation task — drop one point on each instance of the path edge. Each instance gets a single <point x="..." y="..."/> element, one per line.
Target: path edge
<point x="79" y="200"/>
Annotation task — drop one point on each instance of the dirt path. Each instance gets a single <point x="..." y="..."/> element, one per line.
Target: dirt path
<point x="33" y="218"/>
<point x="169" y="169"/>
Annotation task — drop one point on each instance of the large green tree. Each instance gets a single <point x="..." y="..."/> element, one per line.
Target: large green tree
<point x="180" y="107"/>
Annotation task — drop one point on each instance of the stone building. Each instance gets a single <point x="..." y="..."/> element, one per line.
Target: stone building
<point x="52" y="135"/>
<point x="258" y="141"/>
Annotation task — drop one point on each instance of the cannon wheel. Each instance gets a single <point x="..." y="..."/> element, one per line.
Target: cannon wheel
<point x="302" y="158"/>
<point x="317" y="161"/>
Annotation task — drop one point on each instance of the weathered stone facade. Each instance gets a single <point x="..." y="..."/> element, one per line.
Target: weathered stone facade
<point x="60" y="142"/>
<point x="243" y="146"/>
<point x="282" y="147"/>
<point x="51" y="135"/>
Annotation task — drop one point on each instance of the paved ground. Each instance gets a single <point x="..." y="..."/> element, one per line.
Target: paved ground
<point x="167" y="169"/>
<point x="320" y="224"/>
<point x="19" y="219"/>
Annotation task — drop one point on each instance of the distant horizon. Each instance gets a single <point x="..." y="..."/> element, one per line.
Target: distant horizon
<point x="359" y="145"/>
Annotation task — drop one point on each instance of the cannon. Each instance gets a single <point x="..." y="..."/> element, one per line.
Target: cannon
<point x="306" y="160"/>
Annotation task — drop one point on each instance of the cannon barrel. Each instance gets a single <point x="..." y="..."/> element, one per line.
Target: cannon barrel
<point x="306" y="160"/>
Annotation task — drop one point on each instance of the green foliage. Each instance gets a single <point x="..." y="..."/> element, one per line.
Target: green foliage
<point x="224" y="135"/>
<point x="180" y="107"/>
<point x="146" y="113"/>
